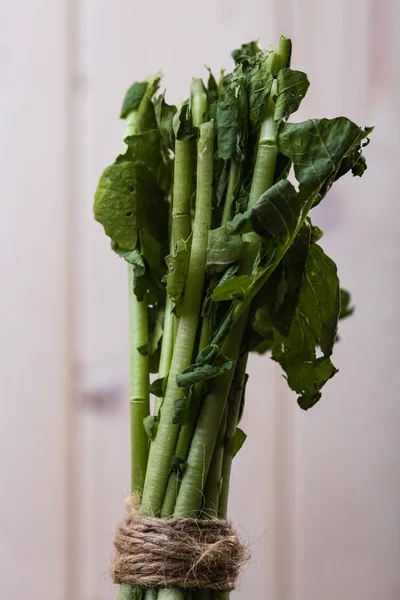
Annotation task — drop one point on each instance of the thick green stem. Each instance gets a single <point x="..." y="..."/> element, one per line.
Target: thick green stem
<point x="181" y="227"/>
<point x="139" y="382"/>
<point x="182" y="191"/>
<point x="162" y="448"/>
<point x="139" y="387"/>
<point x="180" y="230"/>
<point x="234" y="404"/>
<point x="186" y="432"/>
<point x="212" y="488"/>
<point x="199" y="102"/>
<point x="129" y="592"/>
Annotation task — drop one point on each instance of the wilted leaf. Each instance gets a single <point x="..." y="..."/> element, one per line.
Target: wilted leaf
<point x="239" y="440"/>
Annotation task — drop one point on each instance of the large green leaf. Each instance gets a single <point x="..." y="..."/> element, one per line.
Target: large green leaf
<point x="292" y="86"/>
<point x="320" y="148"/>
<point x="313" y="326"/>
<point x="280" y="294"/>
<point x="128" y="198"/>
<point x="131" y="199"/>
<point x="147" y="148"/>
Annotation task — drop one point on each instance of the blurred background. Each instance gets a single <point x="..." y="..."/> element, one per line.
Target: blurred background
<point x="316" y="495"/>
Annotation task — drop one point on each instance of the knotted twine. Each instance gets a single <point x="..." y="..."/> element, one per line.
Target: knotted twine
<point x="185" y="553"/>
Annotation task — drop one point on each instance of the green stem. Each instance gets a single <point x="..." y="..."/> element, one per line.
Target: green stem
<point x="234" y="404"/>
<point x="129" y="592"/>
<point x="205" y="435"/>
<point x="212" y="488"/>
<point x="167" y="347"/>
<point x="162" y="448"/>
<point x="199" y="102"/>
<point x="181" y="225"/>
<point x="139" y="387"/>
<point x="139" y="383"/>
<point x="233" y="181"/>
<point x="186" y="432"/>
<point x="182" y="190"/>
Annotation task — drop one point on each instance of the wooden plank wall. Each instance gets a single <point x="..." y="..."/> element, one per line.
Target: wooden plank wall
<point x="317" y="494"/>
<point x="35" y="360"/>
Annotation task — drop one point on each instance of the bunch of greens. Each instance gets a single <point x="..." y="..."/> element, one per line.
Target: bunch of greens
<point x="223" y="260"/>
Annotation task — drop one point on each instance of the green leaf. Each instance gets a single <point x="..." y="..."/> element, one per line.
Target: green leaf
<point x="180" y="415"/>
<point x="145" y="118"/>
<point x="246" y="51"/>
<point x="182" y="123"/>
<point x="223" y="249"/>
<point x="278" y="298"/>
<point x="202" y="372"/>
<point x="146" y="148"/>
<point x="133" y="97"/>
<point x="165" y="115"/>
<point x="237" y="286"/>
<point x="321" y="150"/>
<point x="319" y="297"/>
<point x="143" y="350"/>
<point x="212" y="88"/>
<point x="292" y="86"/>
<point x="314" y="324"/>
<point x="177" y="264"/>
<point x="158" y="387"/>
<point x="132" y="257"/>
<point x="239" y="440"/>
<point x="308" y="378"/>
<point x="127" y="199"/>
<point x="275" y="215"/>
<point x="231" y="117"/>
<point x="345" y="304"/>
<point x="260" y="81"/>
<point x="150" y="426"/>
<point x="207" y="355"/>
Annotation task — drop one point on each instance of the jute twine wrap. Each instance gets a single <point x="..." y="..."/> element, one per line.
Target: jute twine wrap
<point x="185" y="553"/>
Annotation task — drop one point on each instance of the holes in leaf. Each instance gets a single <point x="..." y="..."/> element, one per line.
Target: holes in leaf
<point x="131" y="189"/>
<point x="128" y="213"/>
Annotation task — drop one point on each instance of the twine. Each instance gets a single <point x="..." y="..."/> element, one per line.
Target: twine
<point x="185" y="553"/>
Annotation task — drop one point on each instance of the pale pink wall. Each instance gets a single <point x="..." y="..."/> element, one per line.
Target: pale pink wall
<point x="315" y="494"/>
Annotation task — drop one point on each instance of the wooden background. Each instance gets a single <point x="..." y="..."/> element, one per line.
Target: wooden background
<point x="317" y="495"/>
